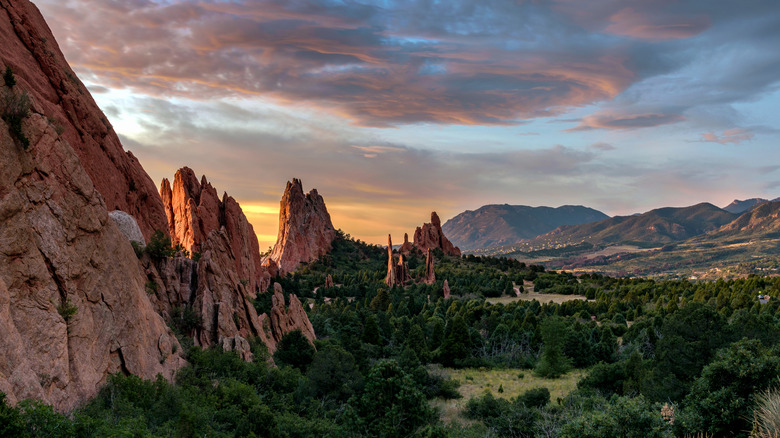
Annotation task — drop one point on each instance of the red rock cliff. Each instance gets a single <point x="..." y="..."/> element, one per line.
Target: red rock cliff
<point x="73" y="307"/>
<point x="305" y="230"/>
<point x="29" y="48"/>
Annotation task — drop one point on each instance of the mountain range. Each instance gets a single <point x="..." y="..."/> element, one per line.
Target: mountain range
<point x="493" y="225"/>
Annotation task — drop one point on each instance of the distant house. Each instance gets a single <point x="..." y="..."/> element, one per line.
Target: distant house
<point x="764" y="299"/>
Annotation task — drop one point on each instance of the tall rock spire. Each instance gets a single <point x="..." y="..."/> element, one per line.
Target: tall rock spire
<point x="392" y="277"/>
<point x="305" y="229"/>
<point x="431" y="236"/>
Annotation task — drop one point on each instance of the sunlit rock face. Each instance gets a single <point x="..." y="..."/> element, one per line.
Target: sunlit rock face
<point x="305" y="230"/>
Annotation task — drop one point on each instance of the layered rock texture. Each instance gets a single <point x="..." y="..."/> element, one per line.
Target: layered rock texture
<point x="431" y="236"/>
<point x="76" y="303"/>
<point x="29" y="48"/>
<point x="73" y="306"/>
<point x="305" y="230"/>
<point x="194" y="211"/>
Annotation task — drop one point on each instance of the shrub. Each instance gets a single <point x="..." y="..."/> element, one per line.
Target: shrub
<point x="67" y="310"/>
<point x="14" y="107"/>
<point x="9" y="78"/>
<point x="535" y="397"/>
<point x="159" y="246"/>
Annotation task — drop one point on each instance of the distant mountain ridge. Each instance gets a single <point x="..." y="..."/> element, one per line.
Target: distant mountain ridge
<point x="662" y="225"/>
<point x="741" y="206"/>
<point x="496" y="224"/>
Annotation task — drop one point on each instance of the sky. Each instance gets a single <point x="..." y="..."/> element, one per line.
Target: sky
<point x="392" y="109"/>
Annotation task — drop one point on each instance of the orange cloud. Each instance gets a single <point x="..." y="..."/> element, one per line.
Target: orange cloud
<point x="658" y="26"/>
<point x="625" y="121"/>
<point x="733" y="136"/>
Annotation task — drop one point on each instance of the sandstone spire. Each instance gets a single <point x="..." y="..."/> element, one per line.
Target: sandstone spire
<point x="392" y="277"/>
<point x="407" y="246"/>
<point x="431" y="236"/>
<point x="446" y="289"/>
<point x="403" y="271"/>
<point x="305" y="229"/>
<point x="430" y="275"/>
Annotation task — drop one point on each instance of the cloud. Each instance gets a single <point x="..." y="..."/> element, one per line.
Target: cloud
<point x="602" y="146"/>
<point x="625" y="121"/>
<point x="734" y="136"/>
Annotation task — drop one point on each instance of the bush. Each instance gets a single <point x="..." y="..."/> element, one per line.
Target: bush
<point x="159" y="246"/>
<point x="14" y="107"/>
<point x="535" y="397"/>
<point x="67" y="310"/>
<point x="294" y="350"/>
<point x="9" y="78"/>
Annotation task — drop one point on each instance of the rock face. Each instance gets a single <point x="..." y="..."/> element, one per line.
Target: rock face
<point x="407" y="246"/>
<point x="305" y="230"/>
<point x="73" y="306"/>
<point x="403" y="270"/>
<point x="430" y="275"/>
<point x="194" y="211"/>
<point x="128" y="226"/>
<point x="431" y="236"/>
<point x="29" y="48"/>
<point x="446" y="289"/>
<point x="328" y="282"/>
<point x="284" y="321"/>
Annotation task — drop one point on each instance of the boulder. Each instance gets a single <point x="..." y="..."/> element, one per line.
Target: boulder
<point x="128" y="226"/>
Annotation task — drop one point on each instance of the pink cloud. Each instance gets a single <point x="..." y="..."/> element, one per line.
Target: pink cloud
<point x="734" y="136"/>
<point x="658" y="26"/>
<point x="625" y="121"/>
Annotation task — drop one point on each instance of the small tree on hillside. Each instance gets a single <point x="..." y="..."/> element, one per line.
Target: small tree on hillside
<point x="553" y="362"/>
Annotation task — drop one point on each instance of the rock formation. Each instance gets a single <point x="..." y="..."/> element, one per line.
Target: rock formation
<point x="430" y="275"/>
<point x="128" y="226"/>
<point x="397" y="272"/>
<point x="284" y="321"/>
<point x="407" y="246"/>
<point x="328" y="282"/>
<point x="430" y="236"/>
<point x="305" y="230"/>
<point x="194" y="211"/>
<point x="446" y="289"/>
<point x="29" y="48"/>
<point x="73" y="307"/>
<point x="391" y="279"/>
<point x="403" y="271"/>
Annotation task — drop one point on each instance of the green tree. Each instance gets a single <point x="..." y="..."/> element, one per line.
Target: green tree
<point x="294" y="350"/>
<point x="391" y="405"/>
<point x="721" y="399"/>
<point x="457" y="344"/>
<point x="333" y="373"/>
<point x="553" y="362"/>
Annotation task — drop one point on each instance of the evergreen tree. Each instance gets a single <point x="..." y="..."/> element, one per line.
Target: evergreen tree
<point x="553" y="362"/>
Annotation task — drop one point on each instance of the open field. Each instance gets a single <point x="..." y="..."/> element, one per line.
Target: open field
<point x="542" y="298"/>
<point x="475" y="381"/>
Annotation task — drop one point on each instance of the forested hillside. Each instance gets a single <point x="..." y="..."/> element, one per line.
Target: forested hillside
<point x="657" y="359"/>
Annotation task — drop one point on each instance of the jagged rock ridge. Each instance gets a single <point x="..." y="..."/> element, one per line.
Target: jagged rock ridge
<point x="194" y="210"/>
<point x="305" y="230"/>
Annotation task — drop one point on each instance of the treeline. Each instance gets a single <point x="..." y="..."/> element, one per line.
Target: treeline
<point x="664" y="358"/>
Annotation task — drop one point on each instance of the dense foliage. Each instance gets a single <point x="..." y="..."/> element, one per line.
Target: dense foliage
<point x="663" y="358"/>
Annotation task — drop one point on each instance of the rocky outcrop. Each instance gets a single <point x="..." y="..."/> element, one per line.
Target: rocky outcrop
<point x="391" y="279"/>
<point x="194" y="211"/>
<point x="403" y="270"/>
<point x="430" y="275"/>
<point x="328" y="282"/>
<point x="73" y="307"/>
<point x="446" y="289"/>
<point x="305" y="230"/>
<point x="128" y="226"/>
<point x="284" y="320"/>
<point x="407" y="246"/>
<point x="29" y="48"/>
<point x="431" y="236"/>
<point x="397" y="272"/>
